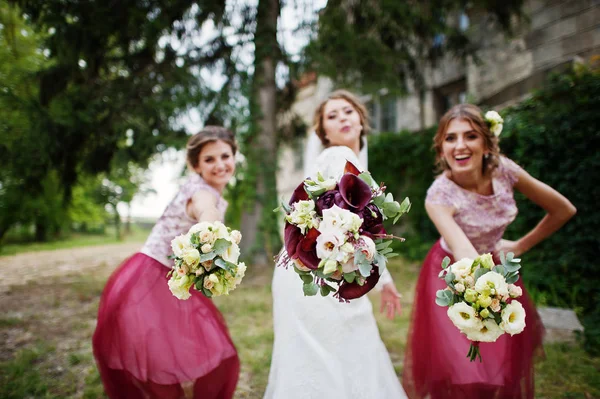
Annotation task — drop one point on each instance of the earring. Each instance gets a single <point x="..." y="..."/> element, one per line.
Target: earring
<point x="486" y="156"/>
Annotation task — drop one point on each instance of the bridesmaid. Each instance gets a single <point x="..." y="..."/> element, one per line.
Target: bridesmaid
<point x="471" y="203"/>
<point x="147" y="343"/>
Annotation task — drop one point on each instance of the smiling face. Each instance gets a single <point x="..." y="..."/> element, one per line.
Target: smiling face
<point x="463" y="147"/>
<point x="342" y="123"/>
<point x="216" y="163"/>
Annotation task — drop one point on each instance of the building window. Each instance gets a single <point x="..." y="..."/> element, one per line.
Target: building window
<point x="388" y="114"/>
<point x="447" y="96"/>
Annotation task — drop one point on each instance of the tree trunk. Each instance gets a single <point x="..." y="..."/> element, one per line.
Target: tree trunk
<point x="259" y="223"/>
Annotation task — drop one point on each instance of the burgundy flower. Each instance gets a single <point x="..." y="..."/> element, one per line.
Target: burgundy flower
<point x="291" y="238"/>
<point x="299" y="194"/>
<point x="372" y="225"/>
<point x="329" y="199"/>
<point x="306" y="250"/>
<point x="353" y="290"/>
<point x="351" y="168"/>
<point x="354" y="191"/>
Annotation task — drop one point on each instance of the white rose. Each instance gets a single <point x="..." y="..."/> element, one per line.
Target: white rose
<point x="469" y="281"/>
<point x="191" y="256"/>
<point x="236" y="236"/>
<point x="495" y="306"/>
<point x="463" y="317"/>
<point x="179" y="244"/>
<point x="459" y="287"/>
<point x="206" y="248"/>
<point x="208" y="265"/>
<point x="462" y="268"/>
<point x="232" y="254"/>
<point x="489" y="332"/>
<point x="514" y="291"/>
<point x="367" y="247"/>
<point x="207" y="237"/>
<point x="492" y="281"/>
<point x="349" y="266"/>
<point x="513" y="318"/>
<point x="210" y="281"/>
<point x="496" y="122"/>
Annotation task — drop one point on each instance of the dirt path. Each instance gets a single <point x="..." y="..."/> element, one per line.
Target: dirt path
<point x="21" y="269"/>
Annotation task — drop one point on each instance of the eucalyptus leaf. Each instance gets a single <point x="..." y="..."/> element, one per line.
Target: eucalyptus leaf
<point x="510" y="256"/>
<point x="445" y="262"/>
<point x="379" y="200"/>
<point x="502" y="258"/>
<point x="480" y="272"/>
<point x="500" y="270"/>
<point x="405" y="205"/>
<point x="324" y="290"/>
<point x="380" y="261"/>
<point x="207" y="292"/>
<point x="443" y="297"/>
<point x="367" y="178"/>
<point x="209" y="256"/>
<point x="364" y="269"/>
<point x="310" y="289"/>
<point x="391" y="255"/>
<point x="223" y="264"/>
<point x="220" y="246"/>
<point x="449" y="278"/>
<point x="512" y="267"/>
<point x="349" y="277"/>
<point x="511" y="279"/>
<point x="306" y="278"/>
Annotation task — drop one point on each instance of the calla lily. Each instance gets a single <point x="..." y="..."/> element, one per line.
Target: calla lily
<point x="351" y="168"/>
<point x="292" y="236"/>
<point x="299" y="194"/>
<point x="353" y="290"/>
<point x="354" y="191"/>
<point x="306" y="250"/>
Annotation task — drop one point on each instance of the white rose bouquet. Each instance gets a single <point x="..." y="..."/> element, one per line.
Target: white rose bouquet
<point x="480" y="298"/>
<point x="206" y="258"/>
<point x="334" y="234"/>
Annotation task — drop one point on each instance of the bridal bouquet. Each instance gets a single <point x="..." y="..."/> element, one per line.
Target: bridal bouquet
<point x="334" y="234"/>
<point x="480" y="298"/>
<point x="206" y="258"/>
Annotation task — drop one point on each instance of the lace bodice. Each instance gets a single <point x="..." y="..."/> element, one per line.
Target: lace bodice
<point x="175" y="220"/>
<point x="483" y="218"/>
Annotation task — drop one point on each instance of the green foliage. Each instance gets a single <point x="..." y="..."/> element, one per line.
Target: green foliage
<point x="404" y="163"/>
<point x="555" y="136"/>
<point x="370" y="45"/>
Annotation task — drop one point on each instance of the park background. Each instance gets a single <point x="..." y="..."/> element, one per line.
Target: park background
<point x="95" y="98"/>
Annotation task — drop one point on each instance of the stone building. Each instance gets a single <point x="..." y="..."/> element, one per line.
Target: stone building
<point x="558" y="33"/>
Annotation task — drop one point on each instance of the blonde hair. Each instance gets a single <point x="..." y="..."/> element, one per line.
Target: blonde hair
<point x="207" y="135"/>
<point x="356" y="104"/>
<point x="472" y="114"/>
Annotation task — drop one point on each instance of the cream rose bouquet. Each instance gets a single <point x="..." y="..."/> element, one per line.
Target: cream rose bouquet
<point x="206" y="258"/>
<point x="480" y="298"/>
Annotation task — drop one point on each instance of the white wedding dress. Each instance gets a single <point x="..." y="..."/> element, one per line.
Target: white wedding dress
<point x="324" y="348"/>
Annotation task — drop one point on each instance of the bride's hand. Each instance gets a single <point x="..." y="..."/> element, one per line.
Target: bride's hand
<point x="390" y="301"/>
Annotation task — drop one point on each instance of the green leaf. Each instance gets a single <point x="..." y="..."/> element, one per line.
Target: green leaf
<point x="379" y="200"/>
<point x="443" y="297"/>
<point x="392" y="255"/>
<point x="367" y="178"/>
<point x="349" y="277"/>
<point x="405" y="205"/>
<point x="223" y="264"/>
<point x="310" y="289"/>
<point x="449" y="278"/>
<point x="220" y="246"/>
<point x="207" y="292"/>
<point x="445" y="262"/>
<point x="480" y="272"/>
<point x="307" y="278"/>
<point x="365" y="269"/>
<point x="383" y="244"/>
<point x="209" y="256"/>
<point x="512" y="278"/>
<point x="200" y="284"/>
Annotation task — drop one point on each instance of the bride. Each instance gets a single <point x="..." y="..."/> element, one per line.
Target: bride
<point x="324" y="348"/>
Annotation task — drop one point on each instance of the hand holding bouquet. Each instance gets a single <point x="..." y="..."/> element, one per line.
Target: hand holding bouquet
<point x="480" y="298"/>
<point x="206" y="257"/>
<point x="334" y="233"/>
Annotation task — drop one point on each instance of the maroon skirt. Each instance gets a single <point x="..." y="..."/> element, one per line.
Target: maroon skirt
<point x="148" y="343"/>
<point x="436" y="365"/>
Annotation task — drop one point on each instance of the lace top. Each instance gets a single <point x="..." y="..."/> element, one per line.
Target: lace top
<point x="483" y="218"/>
<point x="175" y="220"/>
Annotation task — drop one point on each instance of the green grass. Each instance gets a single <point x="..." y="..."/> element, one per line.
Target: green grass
<point x="62" y="365"/>
<point x="74" y="240"/>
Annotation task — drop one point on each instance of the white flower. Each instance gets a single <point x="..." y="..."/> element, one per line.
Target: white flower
<point x="489" y="332"/>
<point x="329" y="242"/>
<point x="340" y="219"/>
<point x="329" y="266"/>
<point x="303" y="215"/>
<point x="459" y="287"/>
<point x="495" y="306"/>
<point x="513" y="318"/>
<point x="210" y="281"/>
<point x="236" y="236"/>
<point x="319" y="185"/>
<point x="206" y="248"/>
<point x="487" y="261"/>
<point x="462" y="268"/>
<point x="367" y="247"/>
<point x="514" y="291"/>
<point x="349" y="266"/>
<point x="179" y="244"/>
<point x="207" y="237"/>
<point x="200" y="227"/>
<point x="492" y="281"/>
<point x="191" y="256"/>
<point x="232" y="254"/>
<point x="239" y="274"/>
<point x="463" y="316"/>
<point x="469" y="281"/>
<point x="180" y="286"/>
<point x="220" y="230"/>
<point x="496" y="122"/>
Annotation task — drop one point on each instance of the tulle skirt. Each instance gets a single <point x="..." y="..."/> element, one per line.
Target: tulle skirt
<point x="436" y="365"/>
<point x="149" y="344"/>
